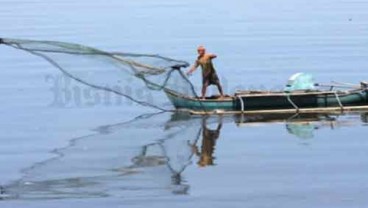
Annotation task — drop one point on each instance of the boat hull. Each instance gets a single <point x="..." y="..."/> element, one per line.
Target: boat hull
<point x="304" y="100"/>
<point x="182" y="102"/>
<point x="270" y="101"/>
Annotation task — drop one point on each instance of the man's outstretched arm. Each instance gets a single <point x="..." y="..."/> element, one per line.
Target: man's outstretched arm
<point x="212" y="56"/>
<point x="194" y="67"/>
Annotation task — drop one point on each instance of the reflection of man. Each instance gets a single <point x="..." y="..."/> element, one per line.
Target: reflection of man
<point x="209" y="138"/>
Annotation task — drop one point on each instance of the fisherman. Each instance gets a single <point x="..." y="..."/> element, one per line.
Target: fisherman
<point x="209" y="75"/>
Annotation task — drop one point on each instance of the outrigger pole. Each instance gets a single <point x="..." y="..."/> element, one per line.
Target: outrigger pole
<point x="326" y="110"/>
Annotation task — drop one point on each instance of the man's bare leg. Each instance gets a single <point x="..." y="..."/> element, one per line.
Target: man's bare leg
<point x="220" y="90"/>
<point x="204" y="89"/>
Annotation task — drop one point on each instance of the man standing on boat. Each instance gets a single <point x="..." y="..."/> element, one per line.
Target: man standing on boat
<point x="209" y="75"/>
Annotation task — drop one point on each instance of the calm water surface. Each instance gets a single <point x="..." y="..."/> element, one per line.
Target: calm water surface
<point x="79" y="154"/>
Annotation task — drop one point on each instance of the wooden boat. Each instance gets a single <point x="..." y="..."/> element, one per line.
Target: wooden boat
<point x="243" y="101"/>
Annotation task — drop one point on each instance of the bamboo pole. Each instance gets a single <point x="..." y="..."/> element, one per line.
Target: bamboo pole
<point x="346" y="84"/>
<point x="339" y="86"/>
<point x="288" y="111"/>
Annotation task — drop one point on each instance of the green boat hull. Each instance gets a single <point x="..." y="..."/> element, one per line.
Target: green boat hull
<point x="271" y="101"/>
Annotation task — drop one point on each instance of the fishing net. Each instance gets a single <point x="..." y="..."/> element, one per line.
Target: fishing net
<point x="140" y="78"/>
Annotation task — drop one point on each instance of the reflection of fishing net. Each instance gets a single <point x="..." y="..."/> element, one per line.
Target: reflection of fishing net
<point x="134" y="76"/>
<point x="110" y="163"/>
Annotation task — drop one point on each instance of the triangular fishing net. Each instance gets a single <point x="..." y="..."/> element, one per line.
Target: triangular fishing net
<point x="137" y="77"/>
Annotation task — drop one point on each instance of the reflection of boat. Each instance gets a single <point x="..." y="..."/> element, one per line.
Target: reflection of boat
<point x="262" y="100"/>
<point x="243" y="119"/>
<point x="364" y="117"/>
<point x="301" y="125"/>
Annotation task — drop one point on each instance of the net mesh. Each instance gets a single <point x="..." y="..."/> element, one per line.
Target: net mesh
<point x="138" y="77"/>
